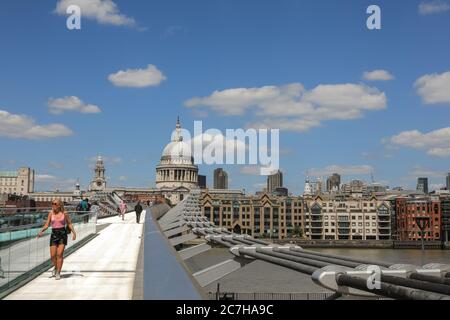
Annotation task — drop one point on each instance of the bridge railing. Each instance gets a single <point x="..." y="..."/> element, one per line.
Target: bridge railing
<point x="23" y="256"/>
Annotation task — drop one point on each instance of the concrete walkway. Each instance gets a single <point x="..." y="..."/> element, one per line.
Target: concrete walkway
<point x="103" y="269"/>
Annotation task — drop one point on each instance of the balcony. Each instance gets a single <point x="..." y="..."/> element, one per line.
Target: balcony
<point x="345" y="225"/>
<point x="383" y="213"/>
<point x="316" y="225"/>
<point x="316" y="231"/>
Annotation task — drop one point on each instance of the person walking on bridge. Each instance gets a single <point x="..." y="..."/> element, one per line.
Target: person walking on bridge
<point x="61" y="225"/>
<point x="123" y="209"/>
<point x="138" y="209"/>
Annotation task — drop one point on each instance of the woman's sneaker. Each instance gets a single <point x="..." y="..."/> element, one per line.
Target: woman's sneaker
<point x="57" y="276"/>
<point x="53" y="273"/>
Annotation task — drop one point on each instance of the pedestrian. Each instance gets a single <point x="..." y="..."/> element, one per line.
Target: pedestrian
<point x="61" y="225"/>
<point x="85" y="204"/>
<point x="138" y="209"/>
<point x="2" y="273"/>
<point x="123" y="209"/>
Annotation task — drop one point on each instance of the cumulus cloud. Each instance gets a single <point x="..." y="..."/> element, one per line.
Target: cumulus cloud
<point x="342" y="170"/>
<point x="138" y="78"/>
<point x="432" y="7"/>
<point x="434" y="88"/>
<point x="378" y="75"/>
<point x="102" y="11"/>
<point x="72" y="103"/>
<point x="292" y="107"/>
<point x="436" y="143"/>
<point x="25" y="127"/>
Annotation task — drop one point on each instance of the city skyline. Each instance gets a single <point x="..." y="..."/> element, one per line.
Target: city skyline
<point x="347" y="100"/>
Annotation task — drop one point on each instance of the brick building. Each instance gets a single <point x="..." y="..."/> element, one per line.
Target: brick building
<point x="409" y="208"/>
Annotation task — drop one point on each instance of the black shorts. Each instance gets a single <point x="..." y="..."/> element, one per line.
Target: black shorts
<point x="58" y="237"/>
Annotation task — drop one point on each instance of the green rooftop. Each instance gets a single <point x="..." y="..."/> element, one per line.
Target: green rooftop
<point x="8" y="174"/>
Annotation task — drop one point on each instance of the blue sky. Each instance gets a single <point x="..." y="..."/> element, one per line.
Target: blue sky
<point x="196" y="48"/>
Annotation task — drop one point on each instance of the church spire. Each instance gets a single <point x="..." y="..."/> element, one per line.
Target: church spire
<point x="178" y="136"/>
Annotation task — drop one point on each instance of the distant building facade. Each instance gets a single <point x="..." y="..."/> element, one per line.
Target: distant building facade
<point x="201" y="181"/>
<point x="220" y="179"/>
<point x="316" y="217"/>
<point x="447" y="181"/>
<point x="274" y="181"/>
<point x="445" y="210"/>
<point x="334" y="183"/>
<point x="409" y="208"/>
<point x="20" y="182"/>
<point x="422" y="185"/>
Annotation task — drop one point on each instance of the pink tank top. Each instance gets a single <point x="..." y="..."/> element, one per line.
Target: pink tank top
<point x="58" y="222"/>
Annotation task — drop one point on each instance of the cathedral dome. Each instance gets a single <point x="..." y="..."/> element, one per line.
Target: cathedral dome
<point x="177" y="168"/>
<point x="177" y="152"/>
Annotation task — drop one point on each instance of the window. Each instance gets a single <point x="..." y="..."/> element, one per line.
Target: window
<point x="374" y="224"/>
<point x="367" y="224"/>
<point x="353" y="224"/>
<point x="359" y="217"/>
<point x="326" y="230"/>
<point x="374" y="231"/>
<point x="360" y="224"/>
<point x="326" y="224"/>
<point x="367" y="231"/>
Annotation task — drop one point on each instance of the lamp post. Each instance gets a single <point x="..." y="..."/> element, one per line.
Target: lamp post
<point x="422" y="223"/>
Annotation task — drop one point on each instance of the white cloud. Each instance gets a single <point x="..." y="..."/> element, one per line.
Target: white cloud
<point x="378" y="75"/>
<point x="123" y="178"/>
<point x="137" y="78"/>
<point x="102" y="11"/>
<point x="291" y="107"/>
<point x="432" y="7"/>
<point x="436" y="186"/>
<point x="45" y="178"/>
<point x="56" y="165"/>
<point x="24" y="127"/>
<point x="342" y="170"/>
<point x="419" y="171"/>
<point x="436" y="143"/>
<point x="251" y="170"/>
<point x="61" y="105"/>
<point x="434" y="88"/>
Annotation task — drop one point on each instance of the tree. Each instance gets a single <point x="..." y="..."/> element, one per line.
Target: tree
<point x="297" y="232"/>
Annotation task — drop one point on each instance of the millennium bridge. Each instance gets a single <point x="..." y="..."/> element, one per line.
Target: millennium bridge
<point x="178" y="254"/>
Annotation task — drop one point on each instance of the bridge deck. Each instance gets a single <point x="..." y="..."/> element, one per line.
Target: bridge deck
<point x="104" y="268"/>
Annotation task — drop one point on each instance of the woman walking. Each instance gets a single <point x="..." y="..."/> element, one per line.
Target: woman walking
<point x="123" y="209"/>
<point x="59" y="219"/>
